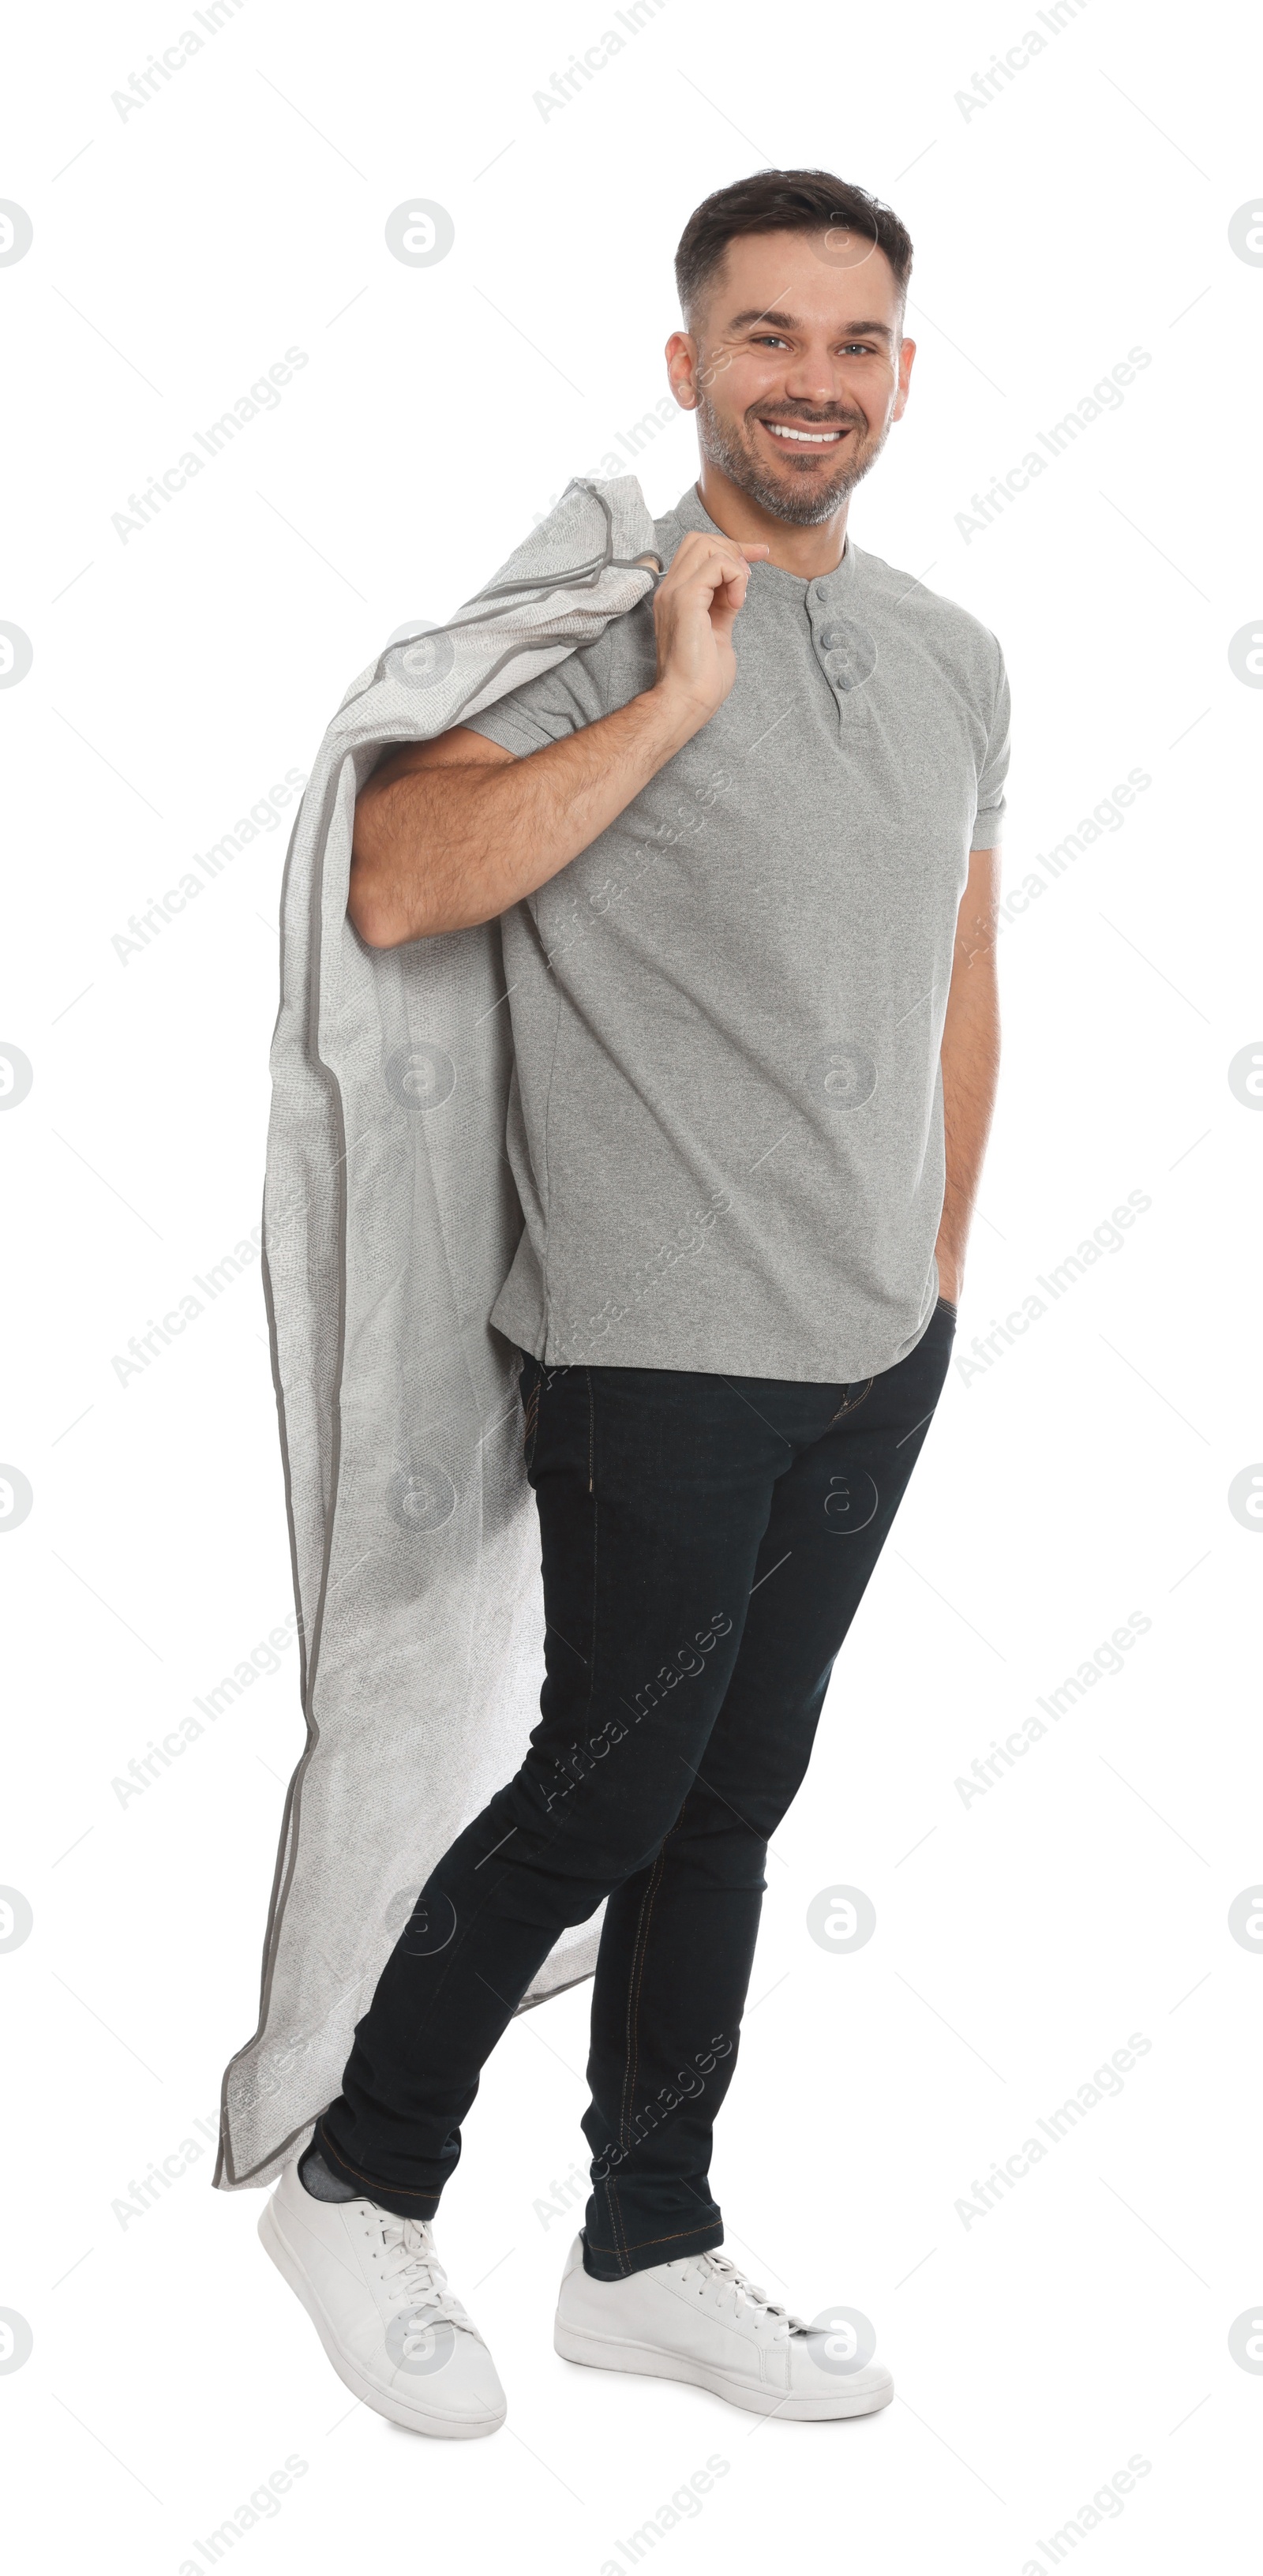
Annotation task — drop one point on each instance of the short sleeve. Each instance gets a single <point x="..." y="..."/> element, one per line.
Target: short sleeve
<point x="989" y="821"/>
<point x="572" y="694"/>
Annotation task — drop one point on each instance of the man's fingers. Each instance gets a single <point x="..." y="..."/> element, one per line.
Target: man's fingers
<point x="698" y="553"/>
<point x="723" y="567"/>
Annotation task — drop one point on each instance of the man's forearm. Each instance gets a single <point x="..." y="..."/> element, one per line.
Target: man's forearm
<point x="970" y="1061"/>
<point x="443" y="845"/>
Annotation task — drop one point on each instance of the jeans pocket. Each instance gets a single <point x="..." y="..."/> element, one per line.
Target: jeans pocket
<point x="851" y="1397"/>
<point x="945" y="1307"/>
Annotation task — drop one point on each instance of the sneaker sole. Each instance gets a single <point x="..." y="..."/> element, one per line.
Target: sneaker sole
<point x="651" y="2363"/>
<point x="415" y="2419"/>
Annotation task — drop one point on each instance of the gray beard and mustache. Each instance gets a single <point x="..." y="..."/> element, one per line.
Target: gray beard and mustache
<point x="722" y="446"/>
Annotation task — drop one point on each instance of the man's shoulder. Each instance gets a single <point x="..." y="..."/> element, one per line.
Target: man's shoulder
<point x="938" y="621"/>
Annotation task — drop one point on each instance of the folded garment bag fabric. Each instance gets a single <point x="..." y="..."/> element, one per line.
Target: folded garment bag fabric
<point x="390" y="1220"/>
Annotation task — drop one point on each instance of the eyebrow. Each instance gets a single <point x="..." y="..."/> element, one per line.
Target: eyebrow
<point x="789" y="322"/>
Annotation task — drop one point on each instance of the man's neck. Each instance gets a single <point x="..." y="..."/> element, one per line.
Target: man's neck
<point x="808" y="552"/>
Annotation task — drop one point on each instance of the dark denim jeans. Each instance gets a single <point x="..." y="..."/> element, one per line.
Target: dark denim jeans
<point x="706" y="1542"/>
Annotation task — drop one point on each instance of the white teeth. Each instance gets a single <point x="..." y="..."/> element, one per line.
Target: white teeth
<point x="813" y="437"/>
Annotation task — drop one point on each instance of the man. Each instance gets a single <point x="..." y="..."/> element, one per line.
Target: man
<point x="743" y="851"/>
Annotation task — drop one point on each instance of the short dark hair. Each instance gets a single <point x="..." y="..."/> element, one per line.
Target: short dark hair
<point x="783" y="201"/>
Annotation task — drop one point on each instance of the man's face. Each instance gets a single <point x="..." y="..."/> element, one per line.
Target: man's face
<point x="796" y="367"/>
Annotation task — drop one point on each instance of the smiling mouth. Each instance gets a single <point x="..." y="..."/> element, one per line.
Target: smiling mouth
<point x="791" y="434"/>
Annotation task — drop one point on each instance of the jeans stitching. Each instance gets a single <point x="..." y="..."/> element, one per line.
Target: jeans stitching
<point x="640" y="1958"/>
<point x="616" y="2216"/>
<point x="619" y="2249"/>
<point x="405" y="2191"/>
<point x="707" y="2229"/>
<point x="631" y="2059"/>
<point x="595" y="1540"/>
<point x="638" y="1978"/>
<point x="629" y="2046"/>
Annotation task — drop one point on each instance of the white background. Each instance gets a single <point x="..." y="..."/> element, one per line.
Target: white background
<point x="1080" y="1476"/>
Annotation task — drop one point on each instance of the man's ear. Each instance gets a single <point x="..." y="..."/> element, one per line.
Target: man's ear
<point x="680" y="344"/>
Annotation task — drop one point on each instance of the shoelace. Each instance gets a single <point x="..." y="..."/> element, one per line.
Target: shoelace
<point x="416" y="2279"/>
<point x="723" y="2277"/>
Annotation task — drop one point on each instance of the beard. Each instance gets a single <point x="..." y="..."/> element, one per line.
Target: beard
<point x="805" y="504"/>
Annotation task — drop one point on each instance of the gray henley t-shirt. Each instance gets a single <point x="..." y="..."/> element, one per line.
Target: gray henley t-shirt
<point x="726" y="1116"/>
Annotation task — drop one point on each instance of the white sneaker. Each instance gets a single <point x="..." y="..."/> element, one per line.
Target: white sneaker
<point x="699" y="2319"/>
<point x="377" y="2295"/>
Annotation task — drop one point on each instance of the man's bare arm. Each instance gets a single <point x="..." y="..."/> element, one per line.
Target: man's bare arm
<point x="454" y="831"/>
<point x="970" y="1060"/>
